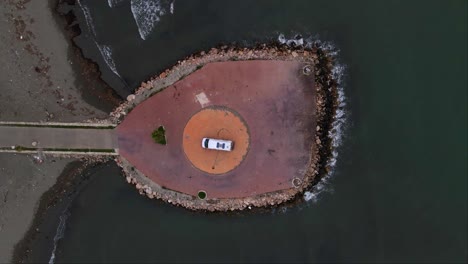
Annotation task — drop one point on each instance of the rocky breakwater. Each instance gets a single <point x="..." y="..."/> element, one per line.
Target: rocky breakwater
<point x="318" y="62"/>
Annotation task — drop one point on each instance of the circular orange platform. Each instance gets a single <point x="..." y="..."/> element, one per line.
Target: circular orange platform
<point x="219" y="123"/>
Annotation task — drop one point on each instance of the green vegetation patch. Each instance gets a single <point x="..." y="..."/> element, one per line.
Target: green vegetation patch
<point x="159" y="135"/>
<point x="202" y="195"/>
<point x="21" y="148"/>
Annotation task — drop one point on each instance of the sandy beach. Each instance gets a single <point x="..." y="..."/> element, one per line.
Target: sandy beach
<point x="42" y="78"/>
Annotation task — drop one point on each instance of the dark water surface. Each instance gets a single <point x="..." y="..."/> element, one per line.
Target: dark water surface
<point x="400" y="185"/>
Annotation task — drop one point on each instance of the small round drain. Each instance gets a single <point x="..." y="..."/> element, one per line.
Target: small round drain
<point x="307" y="70"/>
<point x="296" y="182"/>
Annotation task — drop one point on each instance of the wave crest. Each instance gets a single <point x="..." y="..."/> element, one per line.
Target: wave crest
<point x="88" y="18"/>
<point x="114" y="3"/>
<point x="60" y="232"/>
<point x="106" y="53"/>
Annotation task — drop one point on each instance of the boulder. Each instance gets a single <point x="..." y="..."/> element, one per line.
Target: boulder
<point x="131" y="97"/>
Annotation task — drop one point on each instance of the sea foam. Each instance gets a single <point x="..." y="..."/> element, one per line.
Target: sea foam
<point x="114" y="3"/>
<point x="104" y="50"/>
<point x="148" y="13"/>
<point x="106" y="53"/>
<point x="59" y="233"/>
<point x="88" y="18"/>
<point x="337" y="130"/>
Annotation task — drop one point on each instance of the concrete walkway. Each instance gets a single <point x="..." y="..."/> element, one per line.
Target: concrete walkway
<point x="72" y="137"/>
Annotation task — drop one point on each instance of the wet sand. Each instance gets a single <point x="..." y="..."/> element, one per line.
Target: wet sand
<point x="22" y="183"/>
<point x="41" y="79"/>
<point x="54" y="205"/>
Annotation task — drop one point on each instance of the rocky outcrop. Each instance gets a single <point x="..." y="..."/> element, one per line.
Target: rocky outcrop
<point x="320" y="63"/>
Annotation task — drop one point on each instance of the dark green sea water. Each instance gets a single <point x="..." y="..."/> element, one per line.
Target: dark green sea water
<point x="399" y="190"/>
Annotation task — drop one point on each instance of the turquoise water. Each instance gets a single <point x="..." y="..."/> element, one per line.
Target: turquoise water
<point x="399" y="190"/>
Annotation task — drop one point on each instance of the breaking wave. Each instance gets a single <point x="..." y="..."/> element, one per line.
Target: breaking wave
<point x="59" y="233"/>
<point x="106" y="53"/>
<point x="88" y="18"/>
<point x="147" y="14"/>
<point x="114" y="3"/>
<point x="171" y="7"/>
<point x="337" y="131"/>
<point x="336" y="135"/>
<point x="105" y="50"/>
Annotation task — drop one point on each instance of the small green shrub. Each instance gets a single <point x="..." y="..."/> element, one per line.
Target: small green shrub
<point x="202" y="195"/>
<point x="159" y="135"/>
<point x="20" y="148"/>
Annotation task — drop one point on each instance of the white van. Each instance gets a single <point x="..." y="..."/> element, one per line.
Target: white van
<point x="217" y="144"/>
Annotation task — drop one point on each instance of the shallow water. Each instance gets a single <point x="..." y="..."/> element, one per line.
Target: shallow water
<point x="398" y="192"/>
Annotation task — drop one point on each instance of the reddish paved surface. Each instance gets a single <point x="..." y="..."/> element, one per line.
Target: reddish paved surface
<point x="275" y="100"/>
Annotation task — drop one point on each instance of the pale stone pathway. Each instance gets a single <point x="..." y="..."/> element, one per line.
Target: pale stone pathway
<point x="59" y="138"/>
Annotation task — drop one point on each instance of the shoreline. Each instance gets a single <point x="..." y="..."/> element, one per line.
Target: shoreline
<point x="89" y="69"/>
<point x="113" y="86"/>
<point x="326" y="88"/>
<point x="46" y="80"/>
<point x="74" y="178"/>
